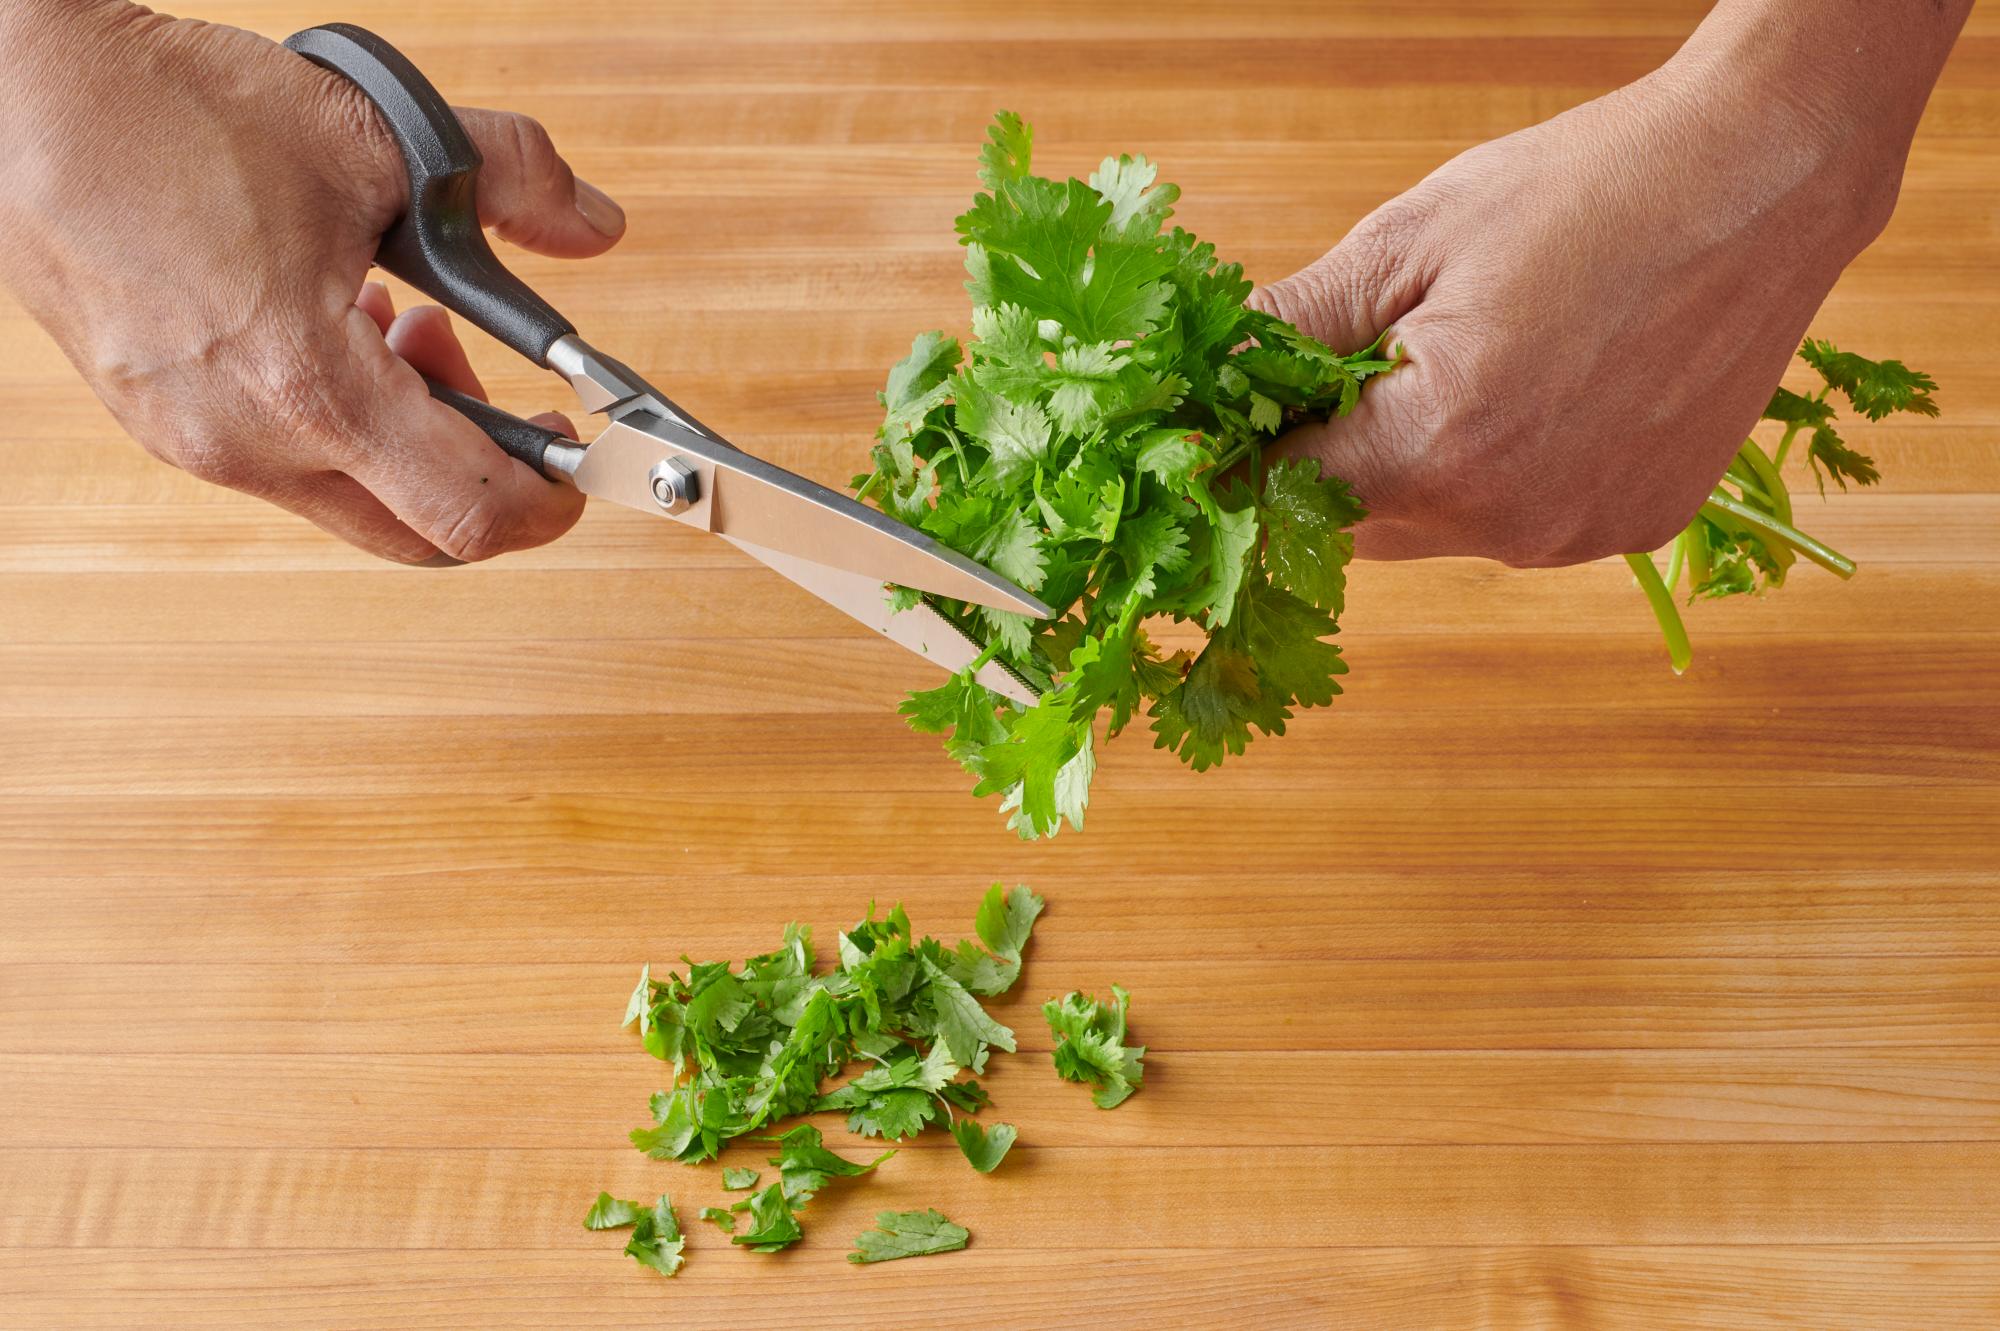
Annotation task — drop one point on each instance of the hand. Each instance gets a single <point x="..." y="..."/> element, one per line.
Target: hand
<point x="1597" y="309"/>
<point x="193" y="223"/>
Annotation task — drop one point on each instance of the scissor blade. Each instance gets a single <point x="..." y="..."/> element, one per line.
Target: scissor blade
<point x="921" y="628"/>
<point x="752" y="502"/>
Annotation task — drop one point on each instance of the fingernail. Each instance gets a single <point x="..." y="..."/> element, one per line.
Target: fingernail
<point x="605" y="217"/>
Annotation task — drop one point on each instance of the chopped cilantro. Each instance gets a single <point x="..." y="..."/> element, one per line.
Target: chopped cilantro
<point x="1090" y="1045"/>
<point x="907" y="1234"/>
<point x="984" y="1148"/>
<point x="656" y="1232"/>
<point x="739" y="1180"/>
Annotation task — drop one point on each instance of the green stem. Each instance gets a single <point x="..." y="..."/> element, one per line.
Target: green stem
<point x="1679" y="651"/>
<point x="1776" y="496"/>
<point x="1825" y="556"/>
<point x="868" y="486"/>
<point x="1785" y="444"/>
<point x="1675" y="554"/>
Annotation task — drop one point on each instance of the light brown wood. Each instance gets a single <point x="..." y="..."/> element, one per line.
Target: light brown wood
<point x="1527" y="987"/>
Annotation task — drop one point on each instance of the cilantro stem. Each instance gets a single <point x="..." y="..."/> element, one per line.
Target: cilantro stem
<point x="1675" y="554"/>
<point x="868" y="486"/>
<point x="1775" y="495"/>
<point x="1679" y="652"/>
<point x="1825" y="556"/>
<point x="1785" y="444"/>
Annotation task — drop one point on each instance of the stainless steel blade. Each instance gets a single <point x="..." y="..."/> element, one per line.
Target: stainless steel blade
<point x="922" y="629"/>
<point x="752" y="502"/>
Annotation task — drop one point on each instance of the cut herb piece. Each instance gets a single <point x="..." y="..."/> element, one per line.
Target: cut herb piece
<point x="608" y="1212"/>
<point x="772" y="1224"/>
<point x="739" y="1180"/>
<point x="721" y="1219"/>
<point x="1743" y="541"/>
<point x="984" y="1148"/>
<point x="1090" y="1045"/>
<point x="907" y="1234"/>
<point x="656" y="1239"/>
<point x="1078" y="446"/>
<point x="804" y="1164"/>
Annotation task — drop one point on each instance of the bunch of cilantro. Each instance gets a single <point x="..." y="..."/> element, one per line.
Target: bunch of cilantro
<point x="1100" y="444"/>
<point x="756" y="1044"/>
<point x="1742" y="542"/>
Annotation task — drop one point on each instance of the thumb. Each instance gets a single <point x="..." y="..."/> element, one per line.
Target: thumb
<point x="1357" y="289"/>
<point x="529" y="195"/>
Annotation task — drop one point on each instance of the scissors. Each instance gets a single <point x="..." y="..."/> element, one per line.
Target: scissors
<point x="652" y="455"/>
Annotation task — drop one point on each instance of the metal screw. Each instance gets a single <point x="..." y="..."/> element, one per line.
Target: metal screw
<point x="675" y="485"/>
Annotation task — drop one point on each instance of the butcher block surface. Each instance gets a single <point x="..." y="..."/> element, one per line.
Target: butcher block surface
<point x="1528" y="986"/>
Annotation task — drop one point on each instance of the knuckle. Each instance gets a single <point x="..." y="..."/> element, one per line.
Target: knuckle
<point x="479" y="532"/>
<point x="532" y="146"/>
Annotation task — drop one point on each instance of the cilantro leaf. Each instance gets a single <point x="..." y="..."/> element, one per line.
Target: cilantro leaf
<point x="608" y="1212"/>
<point x="1083" y="445"/>
<point x="721" y="1219"/>
<point x="1090" y="1045"/>
<point x="985" y="1148"/>
<point x="772" y="1224"/>
<point x="739" y="1180"/>
<point x="656" y="1239"/>
<point x="1004" y="921"/>
<point x="907" y="1234"/>
<point x="1876" y="388"/>
<point x="804" y="1164"/>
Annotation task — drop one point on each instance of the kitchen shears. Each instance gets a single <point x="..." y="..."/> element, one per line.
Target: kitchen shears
<point x="652" y="455"/>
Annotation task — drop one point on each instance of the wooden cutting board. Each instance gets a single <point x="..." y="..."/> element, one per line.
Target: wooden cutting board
<point x="1530" y="986"/>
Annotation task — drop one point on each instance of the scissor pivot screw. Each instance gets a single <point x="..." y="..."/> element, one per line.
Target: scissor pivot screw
<point x="676" y="487"/>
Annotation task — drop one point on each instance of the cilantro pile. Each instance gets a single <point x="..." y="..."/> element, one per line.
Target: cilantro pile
<point x="1100" y="444"/>
<point x="901" y="1019"/>
<point x="1743" y="541"/>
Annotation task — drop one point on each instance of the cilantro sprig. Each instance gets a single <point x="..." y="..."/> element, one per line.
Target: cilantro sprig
<point x="1100" y="444"/>
<point x="1742" y="542"/>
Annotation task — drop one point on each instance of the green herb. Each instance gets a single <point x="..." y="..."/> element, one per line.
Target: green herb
<point x="907" y="1234"/>
<point x="772" y="1224"/>
<point x="1090" y="1045"/>
<point x="656" y="1233"/>
<point x="985" y="1149"/>
<point x="608" y="1212"/>
<point x="1743" y="541"/>
<point x="1088" y="447"/>
<point x="754" y="1044"/>
<point x="721" y="1219"/>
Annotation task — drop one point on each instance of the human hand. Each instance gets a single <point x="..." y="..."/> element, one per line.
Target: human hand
<point x="193" y="223"/>
<point x="1596" y="309"/>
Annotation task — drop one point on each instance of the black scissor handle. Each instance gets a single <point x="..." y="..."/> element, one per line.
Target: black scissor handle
<point x="437" y="245"/>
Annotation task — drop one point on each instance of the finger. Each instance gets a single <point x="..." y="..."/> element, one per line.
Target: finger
<point x="434" y="470"/>
<point x="374" y="301"/>
<point x="423" y="336"/>
<point x="1384" y="450"/>
<point x="554" y="420"/>
<point x="1351" y="294"/>
<point x="339" y="504"/>
<point x="529" y="195"/>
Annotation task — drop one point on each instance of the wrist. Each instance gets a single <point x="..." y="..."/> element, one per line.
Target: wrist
<point x="1819" y="97"/>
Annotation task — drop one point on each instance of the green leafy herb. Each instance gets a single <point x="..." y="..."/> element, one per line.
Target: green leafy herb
<point x="721" y="1219"/>
<point x="907" y="1234"/>
<point x="608" y="1212"/>
<point x="757" y="1043"/>
<point x="656" y="1232"/>
<point x="1087" y="446"/>
<point x="1090" y="1045"/>
<point x="772" y="1223"/>
<point x="984" y="1148"/>
<point x="1743" y="541"/>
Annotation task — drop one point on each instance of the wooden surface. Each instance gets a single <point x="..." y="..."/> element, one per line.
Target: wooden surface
<point x="1528" y="987"/>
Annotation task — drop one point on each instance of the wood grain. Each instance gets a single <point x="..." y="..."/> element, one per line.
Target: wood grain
<point x="1527" y="987"/>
